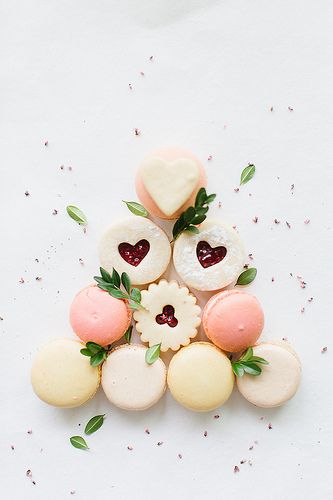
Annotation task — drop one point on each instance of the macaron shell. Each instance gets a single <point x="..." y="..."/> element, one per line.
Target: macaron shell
<point x="278" y="381"/>
<point x="98" y="317"/>
<point x="129" y="382"/>
<point x="200" y="377"/>
<point x="61" y="376"/>
<point x="169" y="154"/>
<point x="233" y="320"/>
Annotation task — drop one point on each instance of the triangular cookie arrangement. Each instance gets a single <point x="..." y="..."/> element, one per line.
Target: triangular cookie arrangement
<point x="208" y="255"/>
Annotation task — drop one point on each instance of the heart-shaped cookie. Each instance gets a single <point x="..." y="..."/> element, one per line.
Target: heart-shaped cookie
<point x="208" y="256"/>
<point x="134" y="254"/>
<point x="169" y="183"/>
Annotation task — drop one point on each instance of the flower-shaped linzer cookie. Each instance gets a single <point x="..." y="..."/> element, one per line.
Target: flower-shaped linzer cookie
<point x="170" y="317"/>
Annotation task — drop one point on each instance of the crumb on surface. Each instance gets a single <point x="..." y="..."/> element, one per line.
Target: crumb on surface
<point x="323" y="350"/>
<point x="160" y="443"/>
<point x="255" y="219"/>
<point x="236" y="469"/>
<point x="137" y="131"/>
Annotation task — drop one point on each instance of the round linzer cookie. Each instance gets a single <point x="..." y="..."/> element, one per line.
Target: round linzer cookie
<point x="129" y="382"/>
<point x="137" y="246"/>
<point x="200" y="377"/>
<point x="278" y="381"/>
<point x="61" y="376"/>
<point x="168" y="181"/>
<point x="211" y="259"/>
<point x="170" y="316"/>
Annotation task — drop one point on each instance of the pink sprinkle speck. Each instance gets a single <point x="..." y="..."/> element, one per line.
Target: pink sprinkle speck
<point x="273" y="279"/>
<point x="46" y="143"/>
<point x="270" y="426"/>
<point x="205" y="434"/>
<point x="236" y="190"/>
<point x="324" y="349"/>
<point x="130" y="448"/>
<point x="180" y="455"/>
<point x="130" y="86"/>
<point x="142" y="73"/>
<point x="21" y="280"/>
<point x="81" y="261"/>
<point x="302" y="309"/>
<point x="147" y="431"/>
<point x="307" y="221"/>
<point x="255" y="219"/>
<point x="54" y="212"/>
<point x="288" y="225"/>
<point x="160" y="443"/>
<point x="151" y="58"/>
<point x="29" y="431"/>
<point x="236" y="469"/>
<point x="216" y="416"/>
<point x="209" y="157"/>
<point x="137" y="131"/>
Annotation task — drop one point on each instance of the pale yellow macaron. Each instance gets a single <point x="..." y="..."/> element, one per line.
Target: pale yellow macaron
<point x="129" y="382"/>
<point x="200" y="377"/>
<point x="278" y="381"/>
<point x="62" y="376"/>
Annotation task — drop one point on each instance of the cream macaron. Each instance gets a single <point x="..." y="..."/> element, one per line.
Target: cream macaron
<point x="129" y="382"/>
<point x="95" y="316"/>
<point x="136" y="246"/>
<point x="62" y="376"/>
<point x="233" y="320"/>
<point x="200" y="377"/>
<point x="168" y="180"/>
<point x="278" y="381"/>
<point x="211" y="259"/>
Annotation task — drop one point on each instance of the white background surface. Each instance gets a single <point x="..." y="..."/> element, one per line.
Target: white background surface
<point x="218" y="67"/>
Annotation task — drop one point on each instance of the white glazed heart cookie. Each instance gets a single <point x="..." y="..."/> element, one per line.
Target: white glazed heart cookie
<point x="170" y="317"/>
<point x="168" y="181"/>
<point x="211" y="259"/>
<point x="136" y="246"/>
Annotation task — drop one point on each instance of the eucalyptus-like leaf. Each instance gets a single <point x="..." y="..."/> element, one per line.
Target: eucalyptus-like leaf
<point x="115" y="278"/>
<point x="251" y="368"/>
<point x="85" y="352"/>
<point x="94" y="424"/>
<point x="136" y="294"/>
<point x="117" y="294"/>
<point x="76" y="214"/>
<point x="152" y="354"/>
<point x="78" y="442"/>
<point x="125" y="279"/>
<point x="136" y="208"/>
<point x="105" y="275"/>
<point x="247" y="276"/>
<point x="192" y="229"/>
<point x="237" y="369"/>
<point x="93" y="347"/>
<point x="247" y="174"/>
<point x="98" y="358"/>
<point x="128" y="334"/>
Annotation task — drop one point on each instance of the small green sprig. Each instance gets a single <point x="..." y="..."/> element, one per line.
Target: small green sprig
<point x="136" y="208"/>
<point x="96" y="352"/>
<point x="193" y="216"/>
<point x="152" y="354"/>
<point x="248" y="363"/>
<point x="247" y="174"/>
<point x="247" y="276"/>
<point x="111" y="284"/>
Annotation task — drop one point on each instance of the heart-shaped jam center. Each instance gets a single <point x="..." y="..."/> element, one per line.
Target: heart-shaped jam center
<point x="134" y="254"/>
<point x="167" y="316"/>
<point x="208" y="256"/>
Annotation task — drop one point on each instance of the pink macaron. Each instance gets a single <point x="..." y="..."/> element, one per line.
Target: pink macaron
<point x="168" y="180"/>
<point x="95" y="316"/>
<point x="233" y="320"/>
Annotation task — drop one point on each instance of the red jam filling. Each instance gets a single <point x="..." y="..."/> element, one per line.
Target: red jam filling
<point x="208" y="256"/>
<point x="167" y="316"/>
<point x="134" y="254"/>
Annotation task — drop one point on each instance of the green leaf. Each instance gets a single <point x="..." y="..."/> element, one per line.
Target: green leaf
<point x="134" y="305"/>
<point x="115" y="278"/>
<point x="202" y="210"/>
<point x="136" y="208"/>
<point x="85" y="352"/>
<point x="189" y="214"/>
<point x="98" y="358"/>
<point x="247" y="355"/>
<point x="78" y="442"/>
<point x="152" y="354"/>
<point x="237" y="369"/>
<point x="247" y="276"/>
<point x="210" y="198"/>
<point x="105" y="275"/>
<point x="257" y="359"/>
<point x="100" y="280"/>
<point x="126" y="282"/>
<point x="198" y="219"/>
<point x="107" y="286"/>
<point x="76" y="214"/>
<point x="251" y="368"/>
<point x="93" y="347"/>
<point x="117" y="294"/>
<point x="200" y="198"/>
<point x="247" y="174"/>
<point x="128" y="334"/>
<point x="94" y="424"/>
<point x="136" y="294"/>
<point x="192" y="229"/>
